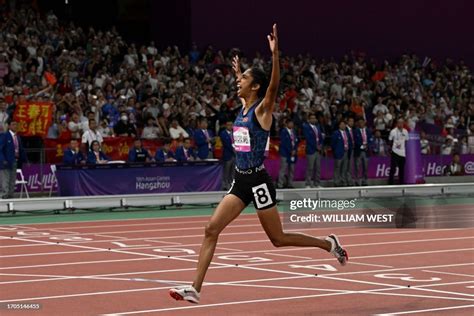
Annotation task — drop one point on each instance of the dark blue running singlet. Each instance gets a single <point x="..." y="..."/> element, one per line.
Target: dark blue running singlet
<point x="250" y="139"/>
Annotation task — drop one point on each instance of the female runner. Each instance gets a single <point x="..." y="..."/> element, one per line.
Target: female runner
<point x="252" y="183"/>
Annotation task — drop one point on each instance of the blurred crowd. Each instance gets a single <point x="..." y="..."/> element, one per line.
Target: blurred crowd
<point x="126" y="89"/>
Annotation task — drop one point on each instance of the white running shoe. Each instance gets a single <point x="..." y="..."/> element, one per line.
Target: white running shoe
<point x="186" y="293"/>
<point x="337" y="250"/>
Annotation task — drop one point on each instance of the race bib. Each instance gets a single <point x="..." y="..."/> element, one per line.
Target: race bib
<point x="241" y="139"/>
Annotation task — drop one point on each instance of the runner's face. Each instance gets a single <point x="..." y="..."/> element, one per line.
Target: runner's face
<point x="244" y="84"/>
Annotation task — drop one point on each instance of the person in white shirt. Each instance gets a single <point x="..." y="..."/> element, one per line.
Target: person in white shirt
<point x="464" y="146"/>
<point x="447" y="147"/>
<point x="177" y="131"/>
<point x="425" y="144"/>
<point x="380" y="107"/>
<point x="92" y="134"/>
<point x="152" y="49"/>
<point x="470" y="138"/>
<point x="75" y="126"/>
<point x="380" y="122"/>
<point x="398" y="136"/>
<point x="151" y="131"/>
<point x="104" y="129"/>
<point x="307" y="91"/>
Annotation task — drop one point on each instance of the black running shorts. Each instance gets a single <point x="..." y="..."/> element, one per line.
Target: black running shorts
<point x="254" y="185"/>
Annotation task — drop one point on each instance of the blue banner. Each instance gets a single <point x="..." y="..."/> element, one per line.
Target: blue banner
<point x="114" y="179"/>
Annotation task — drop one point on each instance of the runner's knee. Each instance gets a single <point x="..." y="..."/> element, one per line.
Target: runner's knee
<point x="211" y="231"/>
<point x="278" y="241"/>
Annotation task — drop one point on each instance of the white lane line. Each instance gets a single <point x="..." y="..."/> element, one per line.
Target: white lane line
<point x="134" y="219"/>
<point x="181" y="259"/>
<point x="110" y="236"/>
<point x="234" y="283"/>
<point x="428" y="310"/>
<point x="163" y="242"/>
<point x="370" y="264"/>
<point x="160" y="220"/>
<point x="451" y="273"/>
<point x="61" y="231"/>
<point x="248" y="302"/>
<point x="283" y="255"/>
<point x="244" y="241"/>
<point x="226" y="304"/>
<point x="63" y="277"/>
<point x="400" y="286"/>
<point x="138" y="247"/>
<point x="218" y="254"/>
<point x="58" y="277"/>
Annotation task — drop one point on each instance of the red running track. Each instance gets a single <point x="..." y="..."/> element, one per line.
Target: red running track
<point x="126" y="268"/>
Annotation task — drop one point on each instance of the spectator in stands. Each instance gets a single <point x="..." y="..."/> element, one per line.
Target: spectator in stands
<point x="138" y="153"/>
<point x="92" y="134"/>
<point x="165" y="153"/>
<point x="203" y="139"/>
<point x="314" y="144"/>
<point x="455" y="168"/>
<point x="228" y="155"/>
<point x="464" y="148"/>
<point x="380" y="107"/>
<point x="176" y="131"/>
<point x="307" y="91"/>
<point x="357" y="107"/>
<point x="84" y="152"/>
<point x="3" y="114"/>
<point x="151" y="131"/>
<point x="349" y="173"/>
<point x="340" y="148"/>
<point x="185" y="152"/>
<point x="12" y="157"/>
<point x="363" y="141"/>
<point x="89" y="70"/>
<point x="124" y="127"/>
<point x="470" y="138"/>
<point x="447" y="147"/>
<point x="288" y="154"/>
<point x="425" y="144"/>
<point x="105" y="130"/>
<point x="72" y="155"/>
<point x="379" y="145"/>
<point x="163" y="126"/>
<point x="95" y="155"/>
<point x="381" y="122"/>
<point x="75" y="126"/>
<point x="398" y="136"/>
